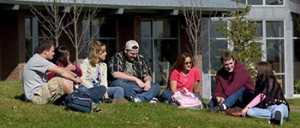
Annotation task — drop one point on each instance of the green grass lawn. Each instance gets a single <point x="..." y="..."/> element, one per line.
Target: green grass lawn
<point x="14" y="112"/>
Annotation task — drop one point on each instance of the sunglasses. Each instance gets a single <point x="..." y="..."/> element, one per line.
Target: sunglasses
<point x="186" y="63"/>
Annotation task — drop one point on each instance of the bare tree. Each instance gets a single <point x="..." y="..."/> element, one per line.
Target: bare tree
<point x="193" y="15"/>
<point x="193" y="18"/>
<point x="51" y="19"/>
<point x="75" y="33"/>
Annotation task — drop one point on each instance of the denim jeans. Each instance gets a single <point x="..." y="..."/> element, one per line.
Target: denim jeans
<point x="131" y="89"/>
<point x="167" y="94"/>
<point x="115" y="92"/>
<point x="237" y="99"/>
<point x="96" y="93"/>
<point x="269" y="112"/>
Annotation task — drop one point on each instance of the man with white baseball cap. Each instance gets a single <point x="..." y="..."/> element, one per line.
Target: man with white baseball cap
<point x="131" y="72"/>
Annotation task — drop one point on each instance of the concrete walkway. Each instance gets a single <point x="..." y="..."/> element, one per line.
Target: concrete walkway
<point x="298" y="111"/>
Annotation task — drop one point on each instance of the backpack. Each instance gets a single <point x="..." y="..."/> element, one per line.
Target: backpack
<point x="79" y="100"/>
<point x="186" y="99"/>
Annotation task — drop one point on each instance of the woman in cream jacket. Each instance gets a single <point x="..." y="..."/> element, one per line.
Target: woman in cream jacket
<point x="94" y="71"/>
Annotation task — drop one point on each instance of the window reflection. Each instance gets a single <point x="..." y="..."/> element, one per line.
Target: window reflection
<point x="160" y="46"/>
<point x="275" y="54"/>
<point x="274" y="29"/>
<point x="216" y="49"/>
<point x="102" y="29"/>
<point x="255" y="2"/>
<point x="274" y="2"/>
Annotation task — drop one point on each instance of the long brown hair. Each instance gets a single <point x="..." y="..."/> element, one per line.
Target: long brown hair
<point x="179" y="64"/>
<point x="264" y="71"/>
<point x="94" y="48"/>
<point x="61" y="56"/>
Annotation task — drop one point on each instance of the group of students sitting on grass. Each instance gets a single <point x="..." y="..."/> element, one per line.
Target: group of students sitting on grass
<point x="49" y="76"/>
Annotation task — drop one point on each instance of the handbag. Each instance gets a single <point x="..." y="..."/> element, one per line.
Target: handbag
<point x="79" y="100"/>
<point x="236" y="112"/>
<point x="186" y="99"/>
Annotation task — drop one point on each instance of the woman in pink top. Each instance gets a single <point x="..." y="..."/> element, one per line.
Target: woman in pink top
<point x="183" y="75"/>
<point x="269" y="102"/>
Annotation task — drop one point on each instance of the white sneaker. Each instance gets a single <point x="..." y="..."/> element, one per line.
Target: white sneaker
<point x="137" y="100"/>
<point x="153" y="101"/>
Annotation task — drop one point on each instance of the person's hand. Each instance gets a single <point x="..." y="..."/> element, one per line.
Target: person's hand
<point x="78" y="81"/>
<point x="140" y="83"/>
<point x="106" y="96"/>
<point x="147" y="86"/>
<point x="71" y="67"/>
<point x="220" y="100"/>
<point x="244" y="111"/>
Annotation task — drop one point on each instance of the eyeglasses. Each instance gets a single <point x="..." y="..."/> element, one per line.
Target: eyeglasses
<point x="186" y="63"/>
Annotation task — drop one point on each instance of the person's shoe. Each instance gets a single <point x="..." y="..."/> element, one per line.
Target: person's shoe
<point x="276" y="119"/>
<point x="135" y="99"/>
<point x="120" y="101"/>
<point x="95" y="107"/>
<point x="107" y="100"/>
<point x="153" y="100"/>
<point x="218" y="108"/>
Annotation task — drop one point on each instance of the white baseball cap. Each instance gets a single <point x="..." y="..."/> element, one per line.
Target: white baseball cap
<point x="132" y="45"/>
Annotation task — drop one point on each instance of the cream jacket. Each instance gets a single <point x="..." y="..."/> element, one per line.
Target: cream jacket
<point x="89" y="71"/>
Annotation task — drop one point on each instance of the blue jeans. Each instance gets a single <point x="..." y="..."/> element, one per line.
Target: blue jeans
<point x="167" y="94"/>
<point x="131" y="89"/>
<point x="269" y="112"/>
<point x="96" y="93"/>
<point x="115" y="92"/>
<point x="237" y="99"/>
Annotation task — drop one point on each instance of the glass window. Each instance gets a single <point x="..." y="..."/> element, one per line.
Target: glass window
<point x="255" y="2"/>
<point x="102" y="29"/>
<point x="297" y="66"/>
<point x="216" y="49"/>
<point x="108" y="28"/>
<point x="259" y="29"/>
<point x="243" y="1"/>
<point x="275" y="54"/>
<point x="274" y="2"/>
<point x="274" y="29"/>
<point x="160" y="46"/>
<point x="110" y="47"/>
<point x="28" y="27"/>
<point x="214" y="30"/>
<point x="164" y="28"/>
<point x="296" y="28"/>
<point x="31" y="35"/>
<point x="146" y="29"/>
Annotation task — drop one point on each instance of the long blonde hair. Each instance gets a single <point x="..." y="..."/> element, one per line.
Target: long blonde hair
<point x="94" y="48"/>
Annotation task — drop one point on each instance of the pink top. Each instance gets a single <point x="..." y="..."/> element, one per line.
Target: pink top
<point x="186" y="81"/>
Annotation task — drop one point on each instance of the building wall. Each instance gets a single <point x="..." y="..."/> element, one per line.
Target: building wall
<point x="280" y="13"/>
<point x="9" y="46"/>
<point x="126" y="30"/>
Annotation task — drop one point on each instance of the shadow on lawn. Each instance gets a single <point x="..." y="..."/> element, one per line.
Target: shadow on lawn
<point x="59" y="102"/>
<point x="20" y="97"/>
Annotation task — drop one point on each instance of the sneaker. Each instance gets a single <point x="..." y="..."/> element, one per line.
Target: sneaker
<point x="95" y="107"/>
<point x="218" y="108"/>
<point x="135" y="99"/>
<point x="153" y="101"/>
<point x="276" y="119"/>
